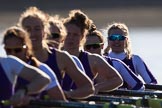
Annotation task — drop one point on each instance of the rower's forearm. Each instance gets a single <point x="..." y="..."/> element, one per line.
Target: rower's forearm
<point x="108" y="85"/>
<point x="36" y="86"/>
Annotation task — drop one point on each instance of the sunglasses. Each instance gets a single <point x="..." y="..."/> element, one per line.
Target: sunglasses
<point x="9" y="50"/>
<point x="116" y="37"/>
<point x="94" y="46"/>
<point x="55" y="35"/>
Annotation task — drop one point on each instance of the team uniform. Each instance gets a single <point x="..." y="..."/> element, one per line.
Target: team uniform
<point x="83" y="57"/>
<point x="52" y="63"/>
<point x="78" y="63"/>
<point x="54" y="82"/>
<point x="137" y="65"/>
<point x="131" y="81"/>
<point x="10" y="67"/>
<point x="65" y="82"/>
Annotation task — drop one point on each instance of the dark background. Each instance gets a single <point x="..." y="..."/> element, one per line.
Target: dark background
<point x="15" y="5"/>
<point x="135" y="13"/>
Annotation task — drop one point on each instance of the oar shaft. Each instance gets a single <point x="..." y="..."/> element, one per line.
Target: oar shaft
<point x="153" y="87"/>
<point x="53" y="103"/>
<point x="139" y="102"/>
<point x="101" y="98"/>
<point x="133" y="93"/>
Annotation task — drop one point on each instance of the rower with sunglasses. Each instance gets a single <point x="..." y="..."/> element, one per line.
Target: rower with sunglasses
<point x="103" y="75"/>
<point x="17" y="42"/>
<point x="119" y="46"/>
<point x="14" y="49"/>
<point x="56" y="37"/>
<point x="94" y="44"/>
<point x="35" y="21"/>
<point x="12" y="67"/>
<point x="56" y="32"/>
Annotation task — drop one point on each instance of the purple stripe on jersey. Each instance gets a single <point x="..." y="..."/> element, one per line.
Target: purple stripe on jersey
<point x="139" y="83"/>
<point x="52" y="63"/>
<point x="83" y="56"/>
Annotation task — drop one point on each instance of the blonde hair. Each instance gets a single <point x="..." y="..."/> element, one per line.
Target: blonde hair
<point x="125" y="31"/>
<point x="57" y="22"/>
<point x="34" y="12"/>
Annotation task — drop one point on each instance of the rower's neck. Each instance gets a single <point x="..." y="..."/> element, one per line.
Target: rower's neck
<point x="41" y="54"/>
